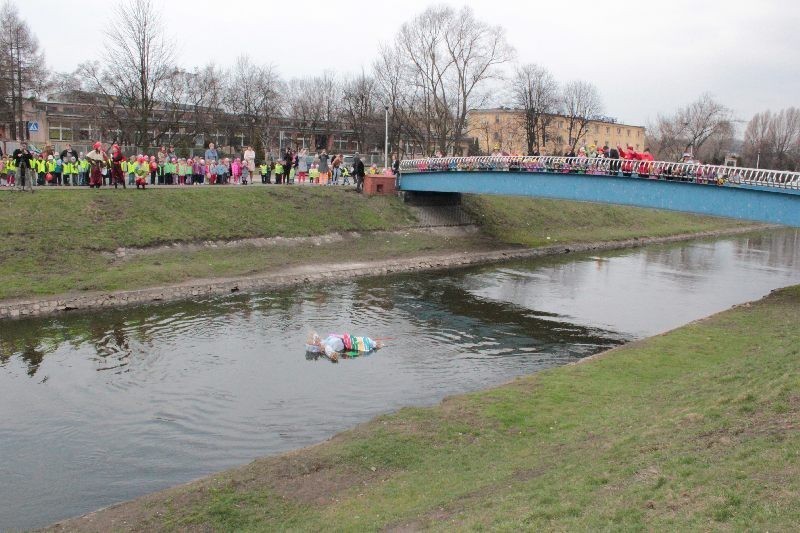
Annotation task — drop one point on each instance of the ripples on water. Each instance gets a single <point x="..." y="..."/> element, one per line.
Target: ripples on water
<point x="97" y="410"/>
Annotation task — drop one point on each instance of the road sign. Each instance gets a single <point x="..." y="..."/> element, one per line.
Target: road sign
<point x="33" y="126"/>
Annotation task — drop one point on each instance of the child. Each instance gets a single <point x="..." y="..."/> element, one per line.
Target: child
<point x="70" y="172"/>
<point x="181" y="171"/>
<point x="227" y="175"/>
<point x="263" y="169"/>
<point x="245" y="173"/>
<point x="141" y="169"/>
<point x="211" y="171"/>
<point x="278" y="172"/>
<point x="10" y="171"/>
<point x="236" y="170"/>
<point x="133" y="164"/>
<point x="154" y="170"/>
<point x="4" y="172"/>
<point x="313" y="173"/>
<point x="198" y="171"/>
<point x="219" y="170"/>
<point x="170" y="168"/>
<point x="59" y="171"/>
<point x="40" y="169"/>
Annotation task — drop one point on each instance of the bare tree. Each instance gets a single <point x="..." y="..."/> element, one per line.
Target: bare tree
<point x="22" y="69"/>
<point x="757" y="149"/>
<point x="446" y="56"/>
<point x="581" y="104"/>
<point x="314" y="105"/>
<point x="476" y="50"/>
<point x="144" y="104"/>
<point x="271" y="90"/>
<point x="702" y="120"/>
<point x="785" y="136"/>
<point x="535" y="92"/>
<point x="389" y="89"/>
<point x="361" y="109"/>
<point x="705" y="123"/>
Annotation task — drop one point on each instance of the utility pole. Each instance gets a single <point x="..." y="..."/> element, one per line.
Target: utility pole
<point x="386" y="139"/>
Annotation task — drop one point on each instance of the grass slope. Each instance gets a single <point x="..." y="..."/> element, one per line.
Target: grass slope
<point x="58" y="241"/>
<point x="529" y="222"/>
<point x="696" y="429"/>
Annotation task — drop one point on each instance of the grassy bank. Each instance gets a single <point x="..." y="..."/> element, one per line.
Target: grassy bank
<point x="530" y="222"/>
<point x="696" y="429"/>
<point x="63" y="241"/>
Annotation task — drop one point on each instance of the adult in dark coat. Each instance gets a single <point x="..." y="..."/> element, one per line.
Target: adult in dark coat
<point x="22" y="157"/>
<point x="613" y="154"/>
<point x="69" y="152"/>
<point x="358" y="172"/>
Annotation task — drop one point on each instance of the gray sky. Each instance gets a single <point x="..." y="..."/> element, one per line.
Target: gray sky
<point x="645" y="57"/>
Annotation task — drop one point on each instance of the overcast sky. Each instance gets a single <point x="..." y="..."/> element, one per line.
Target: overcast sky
<point x="645" y="57"/>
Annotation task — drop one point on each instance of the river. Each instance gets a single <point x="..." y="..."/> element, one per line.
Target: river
<point x="96" y="410"/>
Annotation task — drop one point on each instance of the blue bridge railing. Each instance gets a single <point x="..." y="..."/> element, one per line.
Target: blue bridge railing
<point x="661" y="170"/>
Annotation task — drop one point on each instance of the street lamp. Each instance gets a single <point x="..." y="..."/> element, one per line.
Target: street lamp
<point x="386" y="139"/>
<point x="758" y="158"/>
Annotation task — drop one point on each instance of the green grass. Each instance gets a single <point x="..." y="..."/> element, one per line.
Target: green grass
<point x="696" y="429"/>
<point x="530" y="222"/>
<point x="63" y="241"/>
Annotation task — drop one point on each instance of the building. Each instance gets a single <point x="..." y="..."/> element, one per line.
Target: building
<point x="503" y="130"/>
<point x="76" y="118"/>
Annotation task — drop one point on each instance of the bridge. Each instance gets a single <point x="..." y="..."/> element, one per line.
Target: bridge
<point x="743" y="193"/>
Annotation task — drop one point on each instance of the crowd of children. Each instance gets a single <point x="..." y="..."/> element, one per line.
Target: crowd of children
<point x="73" y="169"/>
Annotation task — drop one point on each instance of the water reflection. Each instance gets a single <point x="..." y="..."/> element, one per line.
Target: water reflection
<point x="106" y="406"/>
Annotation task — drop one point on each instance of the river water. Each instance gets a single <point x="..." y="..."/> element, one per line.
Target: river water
<point x="98" y="410"/>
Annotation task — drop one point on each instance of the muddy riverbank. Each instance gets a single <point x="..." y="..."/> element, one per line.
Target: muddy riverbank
<point x="314" y="272"/>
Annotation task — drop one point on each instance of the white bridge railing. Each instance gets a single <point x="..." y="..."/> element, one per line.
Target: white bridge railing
<point x="601" y="166"/>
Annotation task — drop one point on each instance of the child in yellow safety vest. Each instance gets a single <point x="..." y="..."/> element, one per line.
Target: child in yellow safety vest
<point x="83" y="170"/>
<point x="4" y="172"/>
<point x="11" y="172"/>
<point x="38" y="166"/>
<point x="71" y="172"/>
<point x="313" y="173"/>
<point x="129" y="168"/>
<point x="50" y="170"/>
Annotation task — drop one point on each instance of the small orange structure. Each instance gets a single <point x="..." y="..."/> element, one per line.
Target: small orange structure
<point x="380" y="183"/>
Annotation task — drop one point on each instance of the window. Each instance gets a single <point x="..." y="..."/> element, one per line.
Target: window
<point x="619" y="131"/>
<point x="638" y="133"/>
<point x="637" y="146"/>
<point x="597" y="129"/>
<point x="60" y="133"/>
<point x="496" y="136"/>
<point x="608" y="130"/>
<point x="497" y="119"/>
<point x="629" y="132"/>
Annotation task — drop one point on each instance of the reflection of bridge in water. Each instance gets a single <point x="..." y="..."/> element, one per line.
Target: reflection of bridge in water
<point x="743" y="193"/>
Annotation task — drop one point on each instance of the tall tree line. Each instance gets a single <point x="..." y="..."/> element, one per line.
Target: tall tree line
<point x="22" y="69"/>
